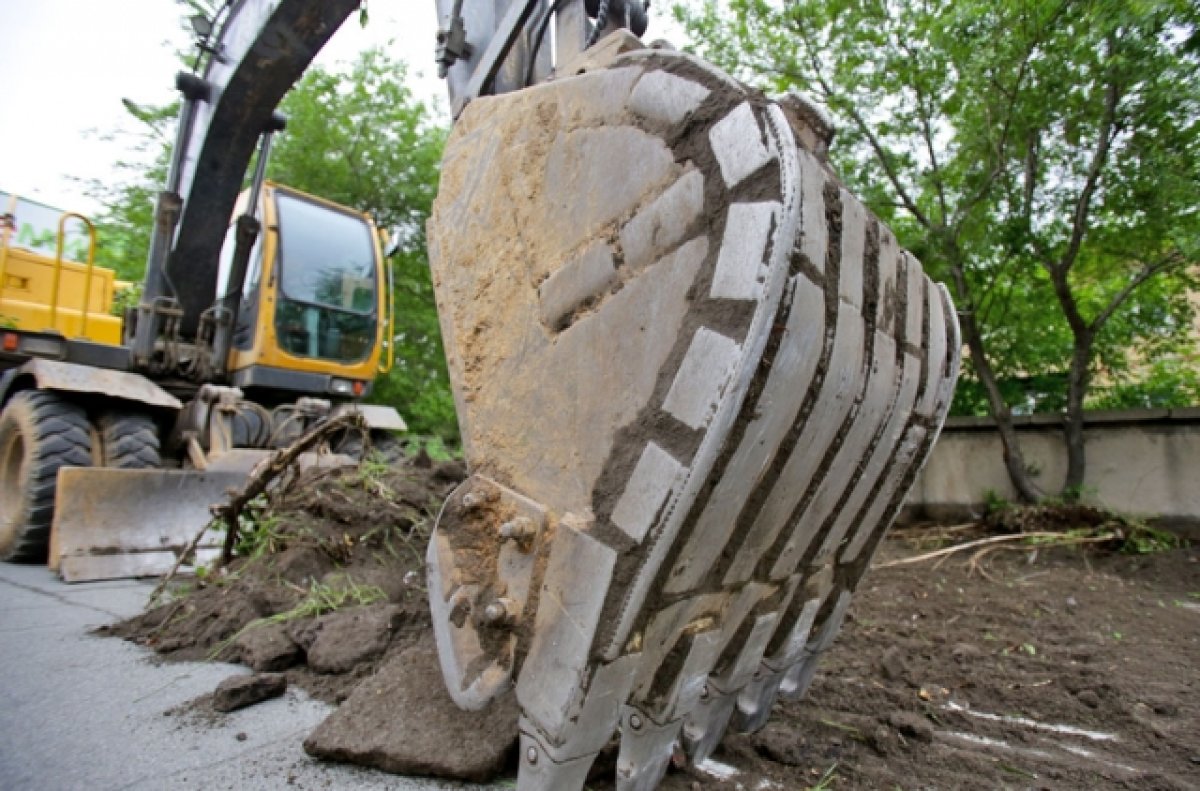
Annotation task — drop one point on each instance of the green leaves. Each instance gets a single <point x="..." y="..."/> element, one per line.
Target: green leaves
<point x="1046" y="151"/>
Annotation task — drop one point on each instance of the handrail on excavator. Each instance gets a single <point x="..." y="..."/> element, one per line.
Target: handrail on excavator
<point x="58" y="262"/>
<point x="6" y="232"/>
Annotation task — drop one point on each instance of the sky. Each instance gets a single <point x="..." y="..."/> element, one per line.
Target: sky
<point x="65" y="65"/>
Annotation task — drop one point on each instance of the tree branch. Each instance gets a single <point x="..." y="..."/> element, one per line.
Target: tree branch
<point x="860" y="122"/>
<point x="1022" y="70"/>
<point x="1170" y="261"/>
<point x="923" y="114"/>
<point x="1079" y="220"/>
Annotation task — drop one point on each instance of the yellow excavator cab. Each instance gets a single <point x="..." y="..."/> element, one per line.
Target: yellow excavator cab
<point x="315" y="296"/>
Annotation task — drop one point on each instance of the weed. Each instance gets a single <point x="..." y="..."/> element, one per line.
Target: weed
<point x="850" y="730"/>
<point x="1075" y="494"/>
<point x="434" y="447"/>
<point x="826" y="781"/>
<point x="994" y="502"/>
<point x="1016" y="770"/>
<point x="321" y="598"/>
<point x="258" y="532"/>
<point x="1141" y="539"/>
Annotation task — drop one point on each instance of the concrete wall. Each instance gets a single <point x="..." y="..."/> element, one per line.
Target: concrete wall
<point x="1144" y="462"/>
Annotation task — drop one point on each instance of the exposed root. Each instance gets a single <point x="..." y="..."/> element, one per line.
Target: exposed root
<point x="271" y="468"/>
<point x="259" y="479"/>
<point x="1047" y="538"/>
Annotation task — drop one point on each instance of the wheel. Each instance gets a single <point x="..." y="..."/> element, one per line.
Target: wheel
<point x="127" y="440"/>
<point x="383" y="444"/>
<point x="39" y="432"/>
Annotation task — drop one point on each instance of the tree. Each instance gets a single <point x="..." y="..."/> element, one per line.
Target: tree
<point x="357" y="137"/>
<point x="1043" y="156"/>
<point x="127" y="219"/>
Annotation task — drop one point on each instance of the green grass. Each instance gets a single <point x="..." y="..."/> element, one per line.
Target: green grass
<point x="320" y="599"/>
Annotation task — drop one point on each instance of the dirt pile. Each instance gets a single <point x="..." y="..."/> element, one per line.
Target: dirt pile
<point x="328" y="588"/>
<point x="1031" y="667"/>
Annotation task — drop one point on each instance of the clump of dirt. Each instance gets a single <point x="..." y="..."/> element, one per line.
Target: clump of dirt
<point x="1015" y="518"/>
<point x="329" y="580"/>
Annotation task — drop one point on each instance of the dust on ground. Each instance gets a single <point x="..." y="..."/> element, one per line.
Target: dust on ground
<point x="1062" y="668"/>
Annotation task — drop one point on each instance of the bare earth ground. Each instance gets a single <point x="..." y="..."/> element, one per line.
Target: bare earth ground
<point x="1060" y="669"/>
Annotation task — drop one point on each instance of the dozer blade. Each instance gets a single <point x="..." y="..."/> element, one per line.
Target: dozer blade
<point x="695" y="380"/>
<point x="115" y="523"/>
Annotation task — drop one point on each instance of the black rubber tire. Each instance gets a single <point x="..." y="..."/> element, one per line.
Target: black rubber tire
<point x="39" y="433"/>
<point x="384" y="445"/>
<point x="127" y="440"/>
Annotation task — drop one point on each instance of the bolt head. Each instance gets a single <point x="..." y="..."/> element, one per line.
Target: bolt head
<point x="704" y="693"/>
<point x="635" y="722"/>
<point x="531" y="755"/>
<point x="519" y="529"/>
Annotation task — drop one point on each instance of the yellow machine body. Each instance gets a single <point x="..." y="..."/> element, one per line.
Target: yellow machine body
<point x="270" y="344"/>
<point x="30" y="301"/>
<point x="39" y="293"/>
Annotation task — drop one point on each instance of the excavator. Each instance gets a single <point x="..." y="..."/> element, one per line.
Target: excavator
<point x="111" y="453"/>
<point x="695" y="376"/>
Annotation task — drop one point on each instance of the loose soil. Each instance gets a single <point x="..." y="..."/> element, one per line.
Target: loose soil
<point x="1064" y="668"/>
<point x="1059" y="669"/>
<point x="336" y="554"/>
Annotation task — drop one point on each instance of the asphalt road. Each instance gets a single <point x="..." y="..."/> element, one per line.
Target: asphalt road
<point x="79" y="711"/>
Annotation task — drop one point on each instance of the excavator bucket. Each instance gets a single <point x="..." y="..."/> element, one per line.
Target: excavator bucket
<point x="695" y="379"/>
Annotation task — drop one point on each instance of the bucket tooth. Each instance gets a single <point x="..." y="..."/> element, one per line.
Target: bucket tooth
<point x="646" y="750"/>
<point x="706" y="724"/>
<point x="695" y="378"/>
<point x="798" y="677"/>
<point x="540" y="772"/>
<point x="756" y="700"/>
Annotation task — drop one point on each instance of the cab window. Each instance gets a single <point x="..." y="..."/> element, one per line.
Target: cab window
<point x="327" y="282"/>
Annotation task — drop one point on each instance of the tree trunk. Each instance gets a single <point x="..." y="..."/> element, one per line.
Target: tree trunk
<point x="1077" y="387"/>
<point x="1014" y="459"/>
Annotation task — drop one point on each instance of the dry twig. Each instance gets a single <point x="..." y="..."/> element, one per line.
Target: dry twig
<point x="269" y="469"/>
<point x="1052" y="539"/>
